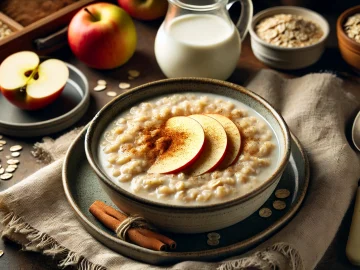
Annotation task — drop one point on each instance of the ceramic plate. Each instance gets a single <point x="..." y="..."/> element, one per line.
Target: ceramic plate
<point x="65" y="111"/>
<point x="82" y="189"/>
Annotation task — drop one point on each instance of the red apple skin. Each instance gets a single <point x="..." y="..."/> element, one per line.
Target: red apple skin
<point x="145" y="9"/>
<point x="106" y="43"/>
<point x="25" y="102"/>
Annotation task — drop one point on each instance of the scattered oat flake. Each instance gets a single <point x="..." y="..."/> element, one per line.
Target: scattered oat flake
<point x="13" y="161"/>
<point x="213" y="242"/>
<point x="7" y="157"/>
<point x="16" y="148"/>
<point x="12" y="166"/>
<point x="213" y="235"/>
<point x="6" y="176"/>
<point x="131" y="78"/>
<point x="282" y="193"/>
<point x="10" y="169"/>
<point x="279" y="205"/>
<point x="265" y="212"/>
<point x="124" y="85"/>
<point x="3" y="142"/>
<point x="2" y="170"/>
<point x="1" y="148"/>
<point x="134" y="73"/>
<point x="15" y="154"/>
<point x="1" y="253"/>
<point x="101" y="82"/>
<point x="99" y="88"/>
<point x="1" y="137"/>
<point x="111" y="94"/>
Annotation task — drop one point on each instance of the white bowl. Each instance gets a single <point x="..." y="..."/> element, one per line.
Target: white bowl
<point x="283" y="57"/>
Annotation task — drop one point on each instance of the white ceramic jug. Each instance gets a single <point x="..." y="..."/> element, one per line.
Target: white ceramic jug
<point x="198" y="38"/>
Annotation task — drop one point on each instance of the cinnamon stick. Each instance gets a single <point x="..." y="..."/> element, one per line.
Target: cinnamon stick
<point x="120" y="216"/>
<point x="112" y="218"/>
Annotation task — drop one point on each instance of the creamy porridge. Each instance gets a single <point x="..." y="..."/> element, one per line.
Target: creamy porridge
<point x="133" y="142"/>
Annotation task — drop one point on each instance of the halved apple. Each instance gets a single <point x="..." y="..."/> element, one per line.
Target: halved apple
<point x="187" y="142"/>
<point x="215" y="145"/>
<point x="29" y="84"/>
<point x="234" y="139"/>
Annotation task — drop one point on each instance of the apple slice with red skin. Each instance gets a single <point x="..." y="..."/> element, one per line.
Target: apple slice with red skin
<point x="29" y="84"/>
<point x="234" y="140"/>
<point x="188" y="140"/>
<point x="215" y="145"/>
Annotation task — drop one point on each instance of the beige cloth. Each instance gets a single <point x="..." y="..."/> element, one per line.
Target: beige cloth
<point x="316" y="107"/>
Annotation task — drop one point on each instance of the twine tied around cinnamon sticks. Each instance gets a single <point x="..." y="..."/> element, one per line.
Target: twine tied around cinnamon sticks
<point x="134" y="228"/>
<point x="134" y="221"/>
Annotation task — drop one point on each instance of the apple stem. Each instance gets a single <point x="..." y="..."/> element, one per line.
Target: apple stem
<point x="92" y="15"/>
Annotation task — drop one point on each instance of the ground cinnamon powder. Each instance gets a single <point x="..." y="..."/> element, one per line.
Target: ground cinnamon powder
<point x="160" y="142"/>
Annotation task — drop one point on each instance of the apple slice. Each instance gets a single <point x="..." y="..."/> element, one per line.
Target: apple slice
<point x="215" y="145"/>
<point x="188" y="140"/>
<point x="30" y="85"/>
<point x="234" y="139"/>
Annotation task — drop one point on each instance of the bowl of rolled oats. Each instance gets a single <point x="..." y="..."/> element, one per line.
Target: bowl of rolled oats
<point x="288" y="37"/>
<point x="348" y="34"/>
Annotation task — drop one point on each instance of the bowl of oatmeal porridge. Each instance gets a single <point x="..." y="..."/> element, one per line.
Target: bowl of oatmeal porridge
<point x="189" y="154"/>
<point x="288" y="37"/>
<point x="348" y="34"/>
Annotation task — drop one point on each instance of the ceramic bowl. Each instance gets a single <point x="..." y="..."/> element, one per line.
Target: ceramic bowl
<point x="283" y="57"/>
<point x="187" y="219"/>
<point x="349" y="49"/>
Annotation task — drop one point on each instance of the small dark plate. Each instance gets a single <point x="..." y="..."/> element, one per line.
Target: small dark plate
<point x="82" y="189"/>
<point x="65" y="111"/>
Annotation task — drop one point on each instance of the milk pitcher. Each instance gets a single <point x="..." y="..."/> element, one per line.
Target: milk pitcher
<point x="198" y="38"/>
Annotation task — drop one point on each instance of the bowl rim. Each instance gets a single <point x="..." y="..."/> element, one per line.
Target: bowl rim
<point x="339" y="25"/>
<point x="290" y="8"/>
<point x="215" y="206"/>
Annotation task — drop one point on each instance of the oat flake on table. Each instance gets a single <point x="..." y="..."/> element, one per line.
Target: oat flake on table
<point x="352" y="27"/>
<point x="287" y="30"/>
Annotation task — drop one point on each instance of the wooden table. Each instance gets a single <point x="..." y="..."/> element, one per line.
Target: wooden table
<point x="144" y="61"/>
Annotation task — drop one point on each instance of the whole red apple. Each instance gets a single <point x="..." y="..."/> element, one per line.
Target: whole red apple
<point x="145" y="9"/>
<point x="102" y="35"/>
<point x="29" y="84"/>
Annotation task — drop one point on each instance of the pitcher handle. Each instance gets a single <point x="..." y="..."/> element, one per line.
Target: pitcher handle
<point x="245" y="18"/>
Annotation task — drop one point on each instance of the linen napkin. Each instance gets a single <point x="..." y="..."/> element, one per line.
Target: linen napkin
<point x="317" y="107"/>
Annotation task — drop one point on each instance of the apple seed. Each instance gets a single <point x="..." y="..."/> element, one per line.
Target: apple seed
<point x="111" y="94"/>
<point x="16" y="148"/>
<point x="101" y="82"/>
<point x="124" y="85"/>
<point x="99" y="87"/>
<point x="6" y="176"/>
<point x="134" y="73"/>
